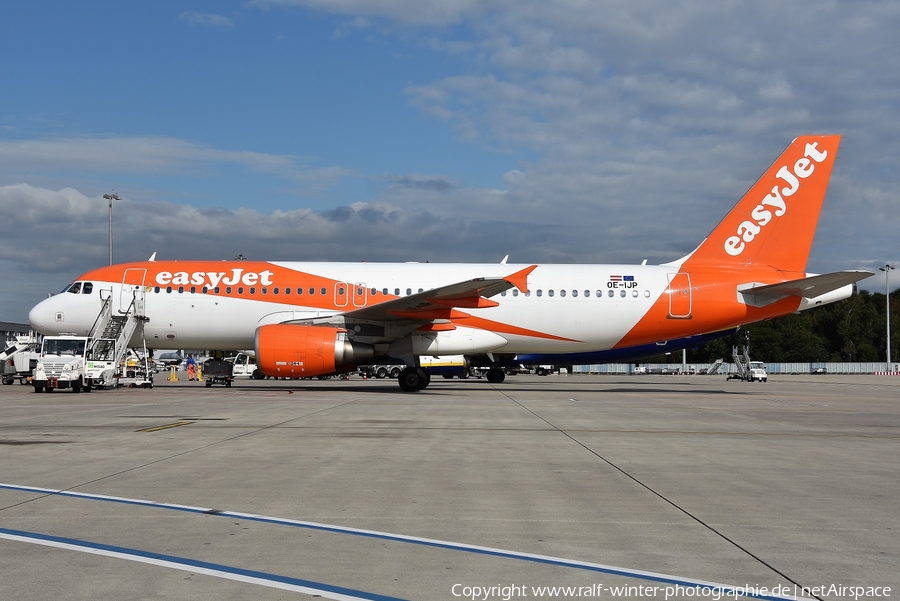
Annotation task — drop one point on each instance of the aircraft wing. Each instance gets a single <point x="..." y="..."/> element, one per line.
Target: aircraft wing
<point x="438" y="303"/>
<point x="812" y="286"/>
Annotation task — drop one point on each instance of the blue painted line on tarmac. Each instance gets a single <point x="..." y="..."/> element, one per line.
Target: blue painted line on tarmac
<point x="724" y="589"/>
<point x="299" y="585"/>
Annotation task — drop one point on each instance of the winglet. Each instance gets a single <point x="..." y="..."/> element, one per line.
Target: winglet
<point x="520" y="278"/>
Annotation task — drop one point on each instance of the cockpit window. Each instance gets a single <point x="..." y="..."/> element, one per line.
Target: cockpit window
<point x="75" y="288"/>
<point x="87" y="288"/>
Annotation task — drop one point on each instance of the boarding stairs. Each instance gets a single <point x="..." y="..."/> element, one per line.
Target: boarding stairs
<point x="715" y="367"/>
<point x="110" y="335"/>
<point x="742" y="362"/>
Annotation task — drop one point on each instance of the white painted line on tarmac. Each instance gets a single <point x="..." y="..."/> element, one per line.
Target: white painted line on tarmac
<point x="715" y="587"/>
<point x="286" y="583"/>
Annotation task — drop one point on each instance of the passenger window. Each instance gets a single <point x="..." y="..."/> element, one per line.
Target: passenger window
<point x="299" y="291"/>
<point x="204" y="290"/>
<point x="528" y="293"/>
<point x="562" y="293"/>
<point x="540" y="292"/>
<point x="228" y="290"/>
<point x="217" y="289"/>
<point x="193" y="289"/>
<point x="168" y="290"/>
<point x="599" y="294"/>
<point x="240" y="289"/>
<point x="515" y="292"/>
<point x="396" y="292"/>
<point x="587" y="294"/>
<point x="88" y="288"/>
<point x="264" y="290"/>
<point x="340" y="290"/>
<point x="622" y="293"/>
<point x="287" y="290"/>
<point x="181" y="290"/>
<point x="275" y="290"/>
<point x="373" y="291"/>
<point x="420" y="290"/>
<point x="503" y="293"/>
<point x="408" y="291"/>
<point x="550" y="293"/>
<point x="612" y="293"/>
<point x="574" y="293"/>
<point x="253" y="290"/>
<point x="646" y="294"/>
<point x="156" y="290"/>
<point x="634" y="293"/>
<point x="323" y="291"/>
<point x="384" y="291"/>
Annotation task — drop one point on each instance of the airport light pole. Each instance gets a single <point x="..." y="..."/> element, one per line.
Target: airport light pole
<point x="110" y="198"/>
<point x="887" y="295"/>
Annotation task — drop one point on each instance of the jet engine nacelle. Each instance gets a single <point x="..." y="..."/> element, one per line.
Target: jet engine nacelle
<point x="299" y="351"/>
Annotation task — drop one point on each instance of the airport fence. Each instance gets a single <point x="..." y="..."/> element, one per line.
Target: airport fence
<point x="729" y="368"/>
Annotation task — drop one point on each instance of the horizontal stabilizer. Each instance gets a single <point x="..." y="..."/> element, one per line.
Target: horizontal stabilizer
<point x="811" y="287"/>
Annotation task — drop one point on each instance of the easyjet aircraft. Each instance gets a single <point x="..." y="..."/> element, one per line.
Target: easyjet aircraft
<point x="309" y="319"/>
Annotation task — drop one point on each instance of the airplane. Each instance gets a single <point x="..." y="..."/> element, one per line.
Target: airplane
<point x="308" y="319"/>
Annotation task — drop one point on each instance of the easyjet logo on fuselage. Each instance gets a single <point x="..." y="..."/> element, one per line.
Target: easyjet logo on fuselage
<point x="214" y="278"/>
<point x="748" y="230"/>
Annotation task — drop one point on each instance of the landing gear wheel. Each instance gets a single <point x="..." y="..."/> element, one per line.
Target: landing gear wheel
<point x="413" y="379"/>
<point x="495" y="375"/>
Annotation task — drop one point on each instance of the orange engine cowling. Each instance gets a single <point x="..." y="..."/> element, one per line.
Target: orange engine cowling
<point x="298" y="351"/>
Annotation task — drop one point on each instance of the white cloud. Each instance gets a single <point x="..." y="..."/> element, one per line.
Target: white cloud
<point x="153" y="155"/>
<point x="194" y="17"/>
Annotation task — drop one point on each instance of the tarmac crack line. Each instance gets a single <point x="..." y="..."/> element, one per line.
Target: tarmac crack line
<point x="661" y="496"/>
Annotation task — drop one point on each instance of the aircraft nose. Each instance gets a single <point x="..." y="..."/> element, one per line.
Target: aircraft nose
<point x="38" y="316"/>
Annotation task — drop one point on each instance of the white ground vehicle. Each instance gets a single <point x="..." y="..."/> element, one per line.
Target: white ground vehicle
<point x="244" y="365"/>
<point x="18" y="359"/>
<point x="61" y="364"/>
<point x="758" y="371"/>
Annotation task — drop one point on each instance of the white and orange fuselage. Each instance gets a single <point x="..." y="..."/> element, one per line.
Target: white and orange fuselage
<point x="750" y="268"/>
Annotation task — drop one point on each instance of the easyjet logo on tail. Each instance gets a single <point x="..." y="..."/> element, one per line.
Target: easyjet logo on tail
<point x="774" y="201"/>
<point x="214" y="278"/>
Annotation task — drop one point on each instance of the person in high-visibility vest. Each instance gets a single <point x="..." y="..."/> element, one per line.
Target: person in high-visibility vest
<point x="191" y="364"/>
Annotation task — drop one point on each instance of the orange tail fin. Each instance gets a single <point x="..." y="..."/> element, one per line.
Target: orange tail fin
<point x="774" y="223"/>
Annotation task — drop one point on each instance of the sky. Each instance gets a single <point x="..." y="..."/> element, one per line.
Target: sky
<point x="419" y="130"/>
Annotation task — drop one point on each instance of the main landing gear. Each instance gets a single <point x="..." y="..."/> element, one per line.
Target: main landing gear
<point x="413" y="379"/>
<point x="495" y="375"/>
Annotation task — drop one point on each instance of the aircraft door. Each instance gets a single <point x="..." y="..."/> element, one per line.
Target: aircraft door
<point x="679" y="296"/>
<point x="341" y="294"/>
<point x="132" y="289"/>
<point x="360" y="294"/>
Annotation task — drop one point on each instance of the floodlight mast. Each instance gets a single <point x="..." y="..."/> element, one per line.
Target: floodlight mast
<point x="887" y="295"/>
<point x="110" y="198"/>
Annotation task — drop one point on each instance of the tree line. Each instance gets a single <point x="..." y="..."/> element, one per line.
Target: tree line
<point x="851" y="330"/>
